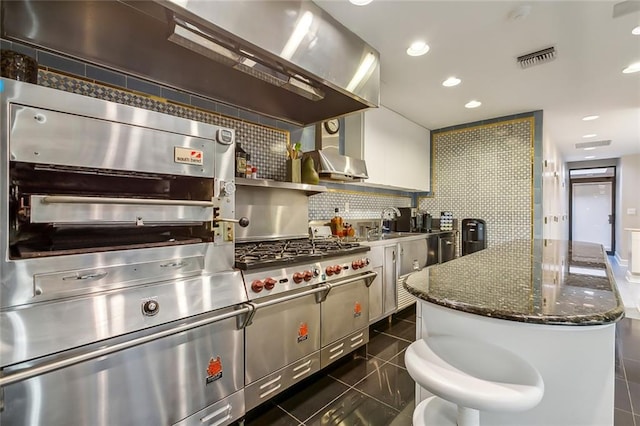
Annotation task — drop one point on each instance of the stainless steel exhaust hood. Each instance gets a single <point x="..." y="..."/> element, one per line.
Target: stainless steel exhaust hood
<point x="285" y="59"/>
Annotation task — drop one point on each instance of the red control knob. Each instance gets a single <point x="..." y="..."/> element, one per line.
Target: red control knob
<point x="308" y="275"/>
<point x="257" y="286"/>
<point x="337" y="269"/>
<point x="269" y="283"/>
<point x="355" y="264"/>
<point x="298" y="277"/>
<point x="329" y="270"/>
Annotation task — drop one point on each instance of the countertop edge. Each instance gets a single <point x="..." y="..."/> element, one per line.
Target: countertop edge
<point x="600" y="318"/>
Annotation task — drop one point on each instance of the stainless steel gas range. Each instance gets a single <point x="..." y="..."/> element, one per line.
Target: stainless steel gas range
<point x="310" y="301"/>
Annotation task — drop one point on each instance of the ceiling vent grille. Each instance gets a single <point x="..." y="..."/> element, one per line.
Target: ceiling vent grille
<point x="594" y="144"/>
<point x="537" y="58"/>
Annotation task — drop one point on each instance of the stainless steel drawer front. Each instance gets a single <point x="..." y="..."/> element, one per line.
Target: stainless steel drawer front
<point x="221" y="413"/>
<point x="342" y="347"/>
<point x="258" y="392"/>
<point x="42" y="136"/>
<point x="157" y="383"/>
<point x="74" y="283"/>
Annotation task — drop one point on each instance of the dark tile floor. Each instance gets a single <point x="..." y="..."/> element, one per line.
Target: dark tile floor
<point x="372" y="386"/>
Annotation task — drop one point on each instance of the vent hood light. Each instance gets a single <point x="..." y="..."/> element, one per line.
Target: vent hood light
<point x="590" y="135"/>
<point x="363" y="72"/>
<point x="360" y="2"/>
<point x="418" y="48"/>
<point x="632" y="68"/>
<point x="473" y="104"/>
<point x="302" y="28"/>
<point x="590" y="148"/>
<point x="636" y="30"/>
<point x="589" y="157"/>
<point x="451" y="81"/>
<point x="192" y="38"/>
<point x="590" y="117"/>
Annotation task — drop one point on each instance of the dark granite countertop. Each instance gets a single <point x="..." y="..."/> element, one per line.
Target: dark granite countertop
<point x="536" y="281"/>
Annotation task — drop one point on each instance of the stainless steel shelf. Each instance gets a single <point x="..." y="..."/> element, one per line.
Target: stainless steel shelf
<point x="273" y="184"/>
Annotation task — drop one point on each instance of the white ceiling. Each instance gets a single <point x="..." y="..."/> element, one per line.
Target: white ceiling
<point x="478" y="42"/>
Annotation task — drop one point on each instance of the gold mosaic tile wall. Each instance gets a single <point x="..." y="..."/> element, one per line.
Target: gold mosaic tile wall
<point x="486" y="172"/>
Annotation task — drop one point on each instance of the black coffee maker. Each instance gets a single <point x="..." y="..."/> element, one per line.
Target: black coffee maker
<point x="406" y="221"/>
<point x="425" y="222"/>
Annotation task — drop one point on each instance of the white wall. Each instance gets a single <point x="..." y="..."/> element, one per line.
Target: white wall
<point x="555" y="193"/>
<point x="629" y="198"/>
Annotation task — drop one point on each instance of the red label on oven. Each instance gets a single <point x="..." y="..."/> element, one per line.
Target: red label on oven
<point x="214" y="370"/>
<point x="303" y="332"/>
<point x="357" y="310"/>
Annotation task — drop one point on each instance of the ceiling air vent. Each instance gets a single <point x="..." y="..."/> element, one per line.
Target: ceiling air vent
<point x="594" y="144"/>
<point x="537" y="58"/>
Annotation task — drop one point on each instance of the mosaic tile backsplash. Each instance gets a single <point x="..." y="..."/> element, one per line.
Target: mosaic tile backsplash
<point x="361" y="205"/>
<point x="485" y="172"/>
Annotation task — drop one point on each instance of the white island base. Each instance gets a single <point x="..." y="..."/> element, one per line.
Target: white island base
<point x="577" y="364"/>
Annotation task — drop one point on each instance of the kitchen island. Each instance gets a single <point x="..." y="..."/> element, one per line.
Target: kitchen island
<point x="554" y="303"/>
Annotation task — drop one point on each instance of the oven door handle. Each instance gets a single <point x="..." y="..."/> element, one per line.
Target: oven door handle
<point x="320" y="288"/>
<point x="69" y="199"/>
<point x="371" y="275"/>
<point x="48" y="367"/>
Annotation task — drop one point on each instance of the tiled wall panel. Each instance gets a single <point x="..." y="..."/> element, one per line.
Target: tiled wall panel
<point x="486" y="172"/>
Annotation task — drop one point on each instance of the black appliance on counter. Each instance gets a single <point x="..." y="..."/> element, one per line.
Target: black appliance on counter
<point x="406" y="222"/>
<point x="474" y="236"/>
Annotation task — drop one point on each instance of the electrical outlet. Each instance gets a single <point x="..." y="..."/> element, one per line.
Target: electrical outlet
<point x="346" y="207"/>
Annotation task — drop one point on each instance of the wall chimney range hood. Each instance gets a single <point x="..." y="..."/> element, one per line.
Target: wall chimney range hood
<point x="285" y="59"/>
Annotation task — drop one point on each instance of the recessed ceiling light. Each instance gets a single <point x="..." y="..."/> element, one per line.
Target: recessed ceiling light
<point x="636" y="30"/>
<point x="418" y="48"/>
<point x="451" y="81"/>
<point x="473" y="104"/>
<point x="590" y="117"/>
<point x="590" y="148"/>
<point x="632" y="68"/>
<point x="590" y="135"/>
<point x="360" y="2"/>
<point x="589" y="157"/>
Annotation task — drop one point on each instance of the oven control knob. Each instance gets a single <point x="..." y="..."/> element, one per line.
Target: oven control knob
<point x="366" y="261"/>
<point x="308" y="275"/>
<point x="316" y="272"/>
<point x="269" y="283"/>
<point x="298" y="277"/>
<point x="257" y="286"/>
<point x="150" y="307"/>
<point x="337" y="269"/>
<point x="329" y="270"/>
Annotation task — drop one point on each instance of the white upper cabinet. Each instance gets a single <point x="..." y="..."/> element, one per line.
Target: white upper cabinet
<point x="396" y="150"/>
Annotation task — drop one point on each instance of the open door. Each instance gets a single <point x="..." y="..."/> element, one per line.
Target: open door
<point x="592" y="211"/>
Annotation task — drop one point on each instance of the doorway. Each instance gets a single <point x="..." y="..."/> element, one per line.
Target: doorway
<point x="592" y="207"/>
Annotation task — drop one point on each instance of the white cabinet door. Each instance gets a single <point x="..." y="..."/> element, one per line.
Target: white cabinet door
<point x="396" y="150"/>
